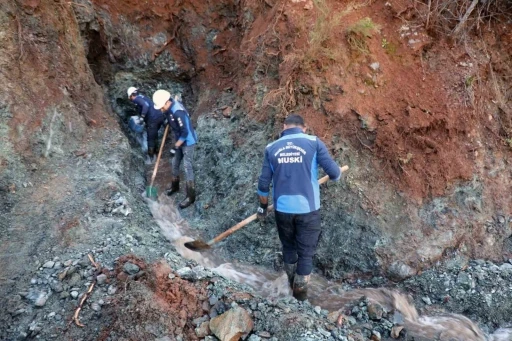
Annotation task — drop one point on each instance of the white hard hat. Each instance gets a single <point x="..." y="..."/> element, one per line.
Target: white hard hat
<point x="160" y="97"/>
<point x="131" y="90"/>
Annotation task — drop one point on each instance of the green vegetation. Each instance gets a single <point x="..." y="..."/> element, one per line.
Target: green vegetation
<point x="388" y="46"/>
<point x="358" y="34"/>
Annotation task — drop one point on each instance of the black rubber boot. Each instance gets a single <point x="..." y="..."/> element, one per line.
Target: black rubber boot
<point x="290" y="272"/>
<point x="300" y="287"/>
<point x="191" y="195"/>
<point x="151" y="152"/>
<point x="175" y="187"/>
<point x="151" y="155"/>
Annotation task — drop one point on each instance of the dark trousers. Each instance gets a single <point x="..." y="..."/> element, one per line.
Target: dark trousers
<point x="154" y="124"/>
<point x="185" y="154"/>
<point x="299" y="234"/>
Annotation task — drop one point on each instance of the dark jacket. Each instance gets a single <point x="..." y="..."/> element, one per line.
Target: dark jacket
<point x="181" y="125"/>
<point x="291" y="164"/>
<point x="143" y="105"/>
<point x="147" y="111"/>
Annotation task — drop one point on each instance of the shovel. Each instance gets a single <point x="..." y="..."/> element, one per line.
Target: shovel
<point x="151" y="191"/>
<point x="199" y="245"/>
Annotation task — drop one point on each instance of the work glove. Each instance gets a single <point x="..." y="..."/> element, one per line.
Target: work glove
<point x="173" y="151"/>
<point x="262" y="213"/>
<point x="166" y="122"/>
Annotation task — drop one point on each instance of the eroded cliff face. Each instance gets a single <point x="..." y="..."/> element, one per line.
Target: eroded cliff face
<point x="50" y="108"/>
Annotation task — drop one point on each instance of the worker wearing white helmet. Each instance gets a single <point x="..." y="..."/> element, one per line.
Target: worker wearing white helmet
<point x="152" y="118"/>
<point x="185" y="141"/>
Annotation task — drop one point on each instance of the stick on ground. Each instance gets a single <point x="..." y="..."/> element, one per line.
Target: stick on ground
<point x="76" y="318"/>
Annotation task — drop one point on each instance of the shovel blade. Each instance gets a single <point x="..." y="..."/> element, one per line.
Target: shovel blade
<point x="151" y="192"/>
<point x="197" y="245"/>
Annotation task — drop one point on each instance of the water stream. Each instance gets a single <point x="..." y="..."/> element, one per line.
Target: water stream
<point x="269" y="283"/>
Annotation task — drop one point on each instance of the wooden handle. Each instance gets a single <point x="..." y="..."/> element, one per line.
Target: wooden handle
<point x="234" y="228"/>
<point x="247" y="220"/>
<point x="159" y="155"/>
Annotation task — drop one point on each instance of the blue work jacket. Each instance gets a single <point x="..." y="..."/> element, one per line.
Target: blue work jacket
<point x="181" y="125"/>
<point x="291" y="165"/>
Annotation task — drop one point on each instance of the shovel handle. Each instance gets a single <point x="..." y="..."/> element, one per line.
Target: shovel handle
<point x="159" y="155"/>
<point x="254" y="216"/>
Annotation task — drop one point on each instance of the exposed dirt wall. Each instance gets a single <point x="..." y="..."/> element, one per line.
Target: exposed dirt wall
<point x="51" y="107"/>
<point x="63" y="162"/>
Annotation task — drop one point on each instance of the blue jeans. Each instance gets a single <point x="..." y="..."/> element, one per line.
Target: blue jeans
<point x="299" y="234"/>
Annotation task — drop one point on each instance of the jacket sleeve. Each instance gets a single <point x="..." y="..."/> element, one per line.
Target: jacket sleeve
<point x="182" y="121"/>
<point x="265" y="177"/>
<point x="143" y="104"/>
<point x="326" y="162"/>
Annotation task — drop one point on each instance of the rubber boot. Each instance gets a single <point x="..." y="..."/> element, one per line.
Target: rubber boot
<point x="300" y="287"/>
<point x="151" y="155"/>
<point x="290" y="272"/>
<point x="151" y="152"/>
<point x="191" y="195"/>
<point x="175" y="186"/>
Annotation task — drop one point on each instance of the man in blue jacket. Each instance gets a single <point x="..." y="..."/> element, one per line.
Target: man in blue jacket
<point x="291" y="165"/>
<point x="183" y="149"/>
<point x="152" y="117"/>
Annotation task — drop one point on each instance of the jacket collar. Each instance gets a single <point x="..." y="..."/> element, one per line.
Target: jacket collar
<point x="291" y="131"/>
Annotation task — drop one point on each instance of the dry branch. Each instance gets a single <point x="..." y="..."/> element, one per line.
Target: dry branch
<point x="462" y="22"/>
<point x="96" y="265"/>
<point x="76" y="318"/>
<point x="20" y="38"/>
<point x="162" y="49"/>
<point x="84" y="297"/>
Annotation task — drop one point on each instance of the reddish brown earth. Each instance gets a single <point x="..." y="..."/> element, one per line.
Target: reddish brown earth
<point x="155" y="297"/>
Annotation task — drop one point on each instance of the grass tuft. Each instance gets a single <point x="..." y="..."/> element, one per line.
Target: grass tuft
<point x="358" y="34"/>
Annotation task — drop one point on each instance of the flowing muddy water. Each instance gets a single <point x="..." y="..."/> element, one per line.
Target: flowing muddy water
<point x="325" y="294"/>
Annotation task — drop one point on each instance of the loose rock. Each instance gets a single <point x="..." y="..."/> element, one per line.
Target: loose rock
<point x="232" y="325"/>
<point x="101" y="279"/>
<point x="111" y="289"/>
<point x="49" y="264"/>
<point x="41" y="300"/>
<point x="203" y="330"/>
<point x="395" y="331"/>
<point x="130" y="268"/>
<point x="375" y="311"/>
<point x="399" y="271"/>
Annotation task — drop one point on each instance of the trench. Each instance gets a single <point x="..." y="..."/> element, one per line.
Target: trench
<point x="273" y="284"/>
<point x="262" y="278"/>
